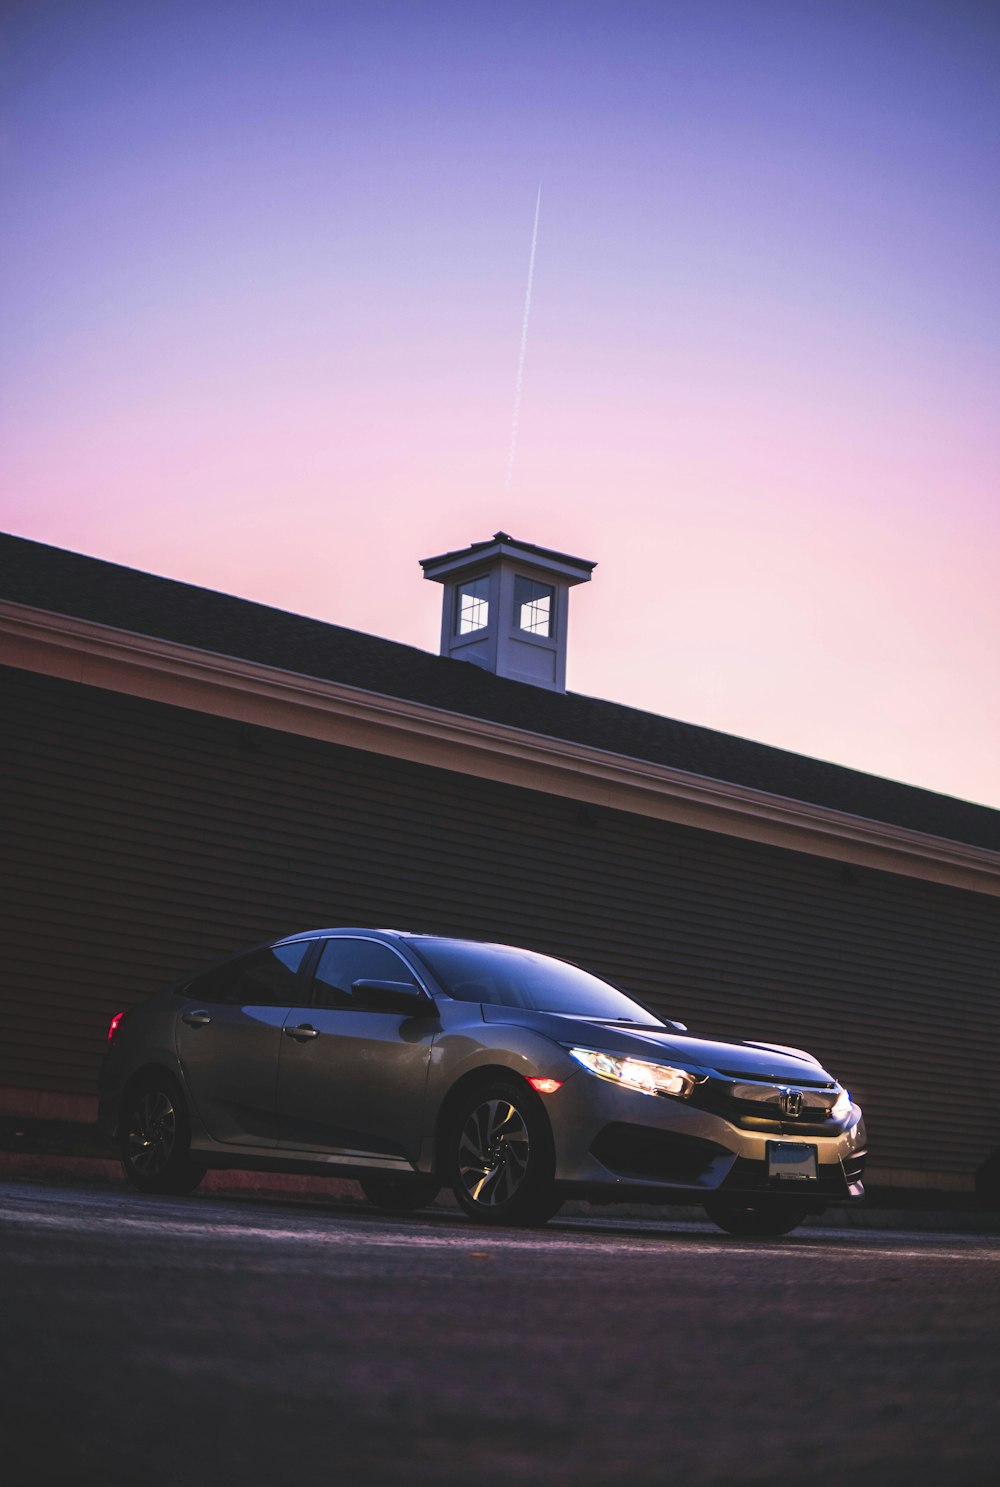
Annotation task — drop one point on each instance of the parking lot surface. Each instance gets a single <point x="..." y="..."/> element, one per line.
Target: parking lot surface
<point x="234" y="1341"/>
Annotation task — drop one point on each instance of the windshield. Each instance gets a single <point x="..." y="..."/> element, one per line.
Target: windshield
<point x="506" y="977"/>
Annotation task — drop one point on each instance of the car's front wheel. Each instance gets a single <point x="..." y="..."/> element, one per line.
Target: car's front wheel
<point x="400" y="1194"/>
<point x="155" y="1139"/>
<point x="502" y="1161"/>
<point x="756" y="1218"/>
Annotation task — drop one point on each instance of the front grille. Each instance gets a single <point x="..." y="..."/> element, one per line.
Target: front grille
<point x="664" y="1156"/>
<point x="756" y="1107"/>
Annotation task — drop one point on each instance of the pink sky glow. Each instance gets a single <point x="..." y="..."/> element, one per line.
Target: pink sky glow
<point x="261" y="310"/>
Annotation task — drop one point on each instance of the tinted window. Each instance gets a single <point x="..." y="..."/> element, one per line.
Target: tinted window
<point x="211" y="986"/>
<point x="346" y="961"/>
<point x="519" y="978"/>
<point x="264" y="978"/>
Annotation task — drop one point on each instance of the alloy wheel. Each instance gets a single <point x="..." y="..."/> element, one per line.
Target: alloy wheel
<point x="494" y="1150"/>
<point x="152" y="1133"/>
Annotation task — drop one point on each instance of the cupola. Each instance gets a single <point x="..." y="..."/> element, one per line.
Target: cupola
<point x="506" y="607"/>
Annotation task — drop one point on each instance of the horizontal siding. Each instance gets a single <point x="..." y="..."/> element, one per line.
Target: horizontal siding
<point x="141" y="840"/>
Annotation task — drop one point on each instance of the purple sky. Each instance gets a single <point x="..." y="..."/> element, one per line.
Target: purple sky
<point x="263" y="276"/>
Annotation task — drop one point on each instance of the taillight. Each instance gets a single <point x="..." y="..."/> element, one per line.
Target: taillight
<point x="114" y="1026"/>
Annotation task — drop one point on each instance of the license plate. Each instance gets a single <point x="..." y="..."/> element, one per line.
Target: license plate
<point x="790" y="1162"/>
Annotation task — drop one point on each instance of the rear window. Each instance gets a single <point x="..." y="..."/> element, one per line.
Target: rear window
<point x="507" y="977"/>
<point x="264" y="978"/>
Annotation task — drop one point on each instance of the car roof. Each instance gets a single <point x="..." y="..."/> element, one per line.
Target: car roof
<point x="313" y="934"/>
<point x="392" y="934"/>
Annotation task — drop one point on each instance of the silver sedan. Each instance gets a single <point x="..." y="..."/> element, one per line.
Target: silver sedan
<point x="414" y="1061"/>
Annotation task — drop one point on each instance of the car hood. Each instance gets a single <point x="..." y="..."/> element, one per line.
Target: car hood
<point x="742" y="1060"/>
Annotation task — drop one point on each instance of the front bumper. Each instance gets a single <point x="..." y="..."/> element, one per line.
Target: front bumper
<point x="613" y="1143"/>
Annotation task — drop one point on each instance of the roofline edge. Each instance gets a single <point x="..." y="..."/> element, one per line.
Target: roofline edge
<point x="158" y="670"/>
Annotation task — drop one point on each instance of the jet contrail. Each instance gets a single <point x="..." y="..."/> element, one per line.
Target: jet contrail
<point x="524" y="344"/>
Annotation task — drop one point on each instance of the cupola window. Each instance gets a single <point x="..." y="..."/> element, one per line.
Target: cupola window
<point x="473" y="606"/>
<point x="533" y="606"/>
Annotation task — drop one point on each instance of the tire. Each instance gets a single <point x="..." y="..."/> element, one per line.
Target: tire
<point x="500" y="1156"/>
<point x="155" y="1139"/>
<point x="394" y="1194"/>
<point x="756" y="1218"/>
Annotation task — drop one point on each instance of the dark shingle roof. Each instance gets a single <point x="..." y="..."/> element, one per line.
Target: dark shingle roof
<point x="50" y="578"/>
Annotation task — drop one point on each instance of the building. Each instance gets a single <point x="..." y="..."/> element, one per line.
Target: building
<point x="185" y="773"/>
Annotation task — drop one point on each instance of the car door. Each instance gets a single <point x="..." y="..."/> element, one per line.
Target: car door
<point x="228" y="1033"/>
<point x="352" y="1080"/>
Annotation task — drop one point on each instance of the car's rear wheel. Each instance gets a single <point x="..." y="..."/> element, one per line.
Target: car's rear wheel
<point x="501" y="1157"/>
<point x="756" y="1218"/>
<point x="400" y="1194"/>
<point x="155" y="1139"/>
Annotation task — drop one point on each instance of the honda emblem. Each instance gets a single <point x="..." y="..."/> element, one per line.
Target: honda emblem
<point x="791" y="1102"/>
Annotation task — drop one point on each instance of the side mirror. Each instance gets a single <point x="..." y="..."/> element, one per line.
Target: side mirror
<point x="390" y="996"/>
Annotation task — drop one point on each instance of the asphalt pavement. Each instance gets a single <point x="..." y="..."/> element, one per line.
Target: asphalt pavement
<point x="232" y="1340"/>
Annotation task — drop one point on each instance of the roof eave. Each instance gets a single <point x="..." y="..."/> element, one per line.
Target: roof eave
<point x="226" y="686"/>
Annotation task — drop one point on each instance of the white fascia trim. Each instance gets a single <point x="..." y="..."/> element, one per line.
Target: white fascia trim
<point x="204" y="681"/>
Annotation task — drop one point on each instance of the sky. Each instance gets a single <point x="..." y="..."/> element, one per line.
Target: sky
<point x="263" y="269"/>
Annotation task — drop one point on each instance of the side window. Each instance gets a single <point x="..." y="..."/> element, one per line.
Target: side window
<point x="213" y="986"/>
<point x="265" y="978"/>
<point x="346" y="961"/>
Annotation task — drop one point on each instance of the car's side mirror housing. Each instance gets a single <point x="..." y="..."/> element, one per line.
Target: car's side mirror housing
<point x="391" y="996"/>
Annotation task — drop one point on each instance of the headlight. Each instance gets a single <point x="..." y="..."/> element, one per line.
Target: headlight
<point x="635" y="1073"/>
<point x="842" y="1106"/>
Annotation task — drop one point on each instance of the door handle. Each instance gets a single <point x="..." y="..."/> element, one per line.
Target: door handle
<point x="301" y="1033"/>
<point x="196" y="1019"/>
